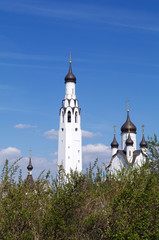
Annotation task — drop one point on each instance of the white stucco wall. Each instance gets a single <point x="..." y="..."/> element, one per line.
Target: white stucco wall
<point x="70" y="136"/>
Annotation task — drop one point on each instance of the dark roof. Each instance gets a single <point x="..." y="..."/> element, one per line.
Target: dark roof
<point x="129" y="141"/>
<point x="114" y="144"/>
<point x="30" y="180"/>
<point x="128" y="125"/>
<point x="143" y="143"/>
<point x="70" y="77"/>
<point x="30" y="167"/>
<point x="123" y="153"/>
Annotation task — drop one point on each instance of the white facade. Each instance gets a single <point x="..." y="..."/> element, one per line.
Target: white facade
<point x="124" y="137"/>
<point x="128" y="155"/>
<point x="70" y="137"/>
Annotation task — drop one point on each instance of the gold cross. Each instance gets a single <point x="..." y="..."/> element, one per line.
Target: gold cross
<point x="128" y="105"/>
<point x="114" y="129"/>
<point x="143" y="126"/>
<point x="70" y="57"/>
<point x="30" y="153"/>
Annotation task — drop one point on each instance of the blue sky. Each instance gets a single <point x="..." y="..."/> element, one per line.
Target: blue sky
<point x="115" y="57"/>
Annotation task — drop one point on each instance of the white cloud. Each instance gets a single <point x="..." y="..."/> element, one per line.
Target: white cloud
<point x="54" y="154"/>
<point x="87" y="134"/>
<point x="10" y="153"/>
<point x="22" y="126"/>
<point x="51" y="134"/>
<point x="93" y="151"/>
<point x="39" y="163"/>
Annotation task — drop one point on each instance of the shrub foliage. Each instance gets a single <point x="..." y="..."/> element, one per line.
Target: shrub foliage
<point x="94" y="205"/>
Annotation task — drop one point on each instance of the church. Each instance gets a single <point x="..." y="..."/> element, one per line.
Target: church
<point x="70" y="136"/>
<point x="128" y="155"/>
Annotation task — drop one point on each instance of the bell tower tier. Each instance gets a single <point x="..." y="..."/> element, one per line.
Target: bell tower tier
<point x="70" y="137"/>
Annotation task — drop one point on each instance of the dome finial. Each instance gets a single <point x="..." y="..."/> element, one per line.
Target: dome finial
<point x="143" y="128"/>
<point x="127" y="104"/>
<point x="30" y="167"/>
<point x="114" y="144"/>
<point x="143" y="143"/>
<point x="70" y="77"/>
<point x="30" y="152"/>
<point x="114" y="129"/>
<point x="70" y="57"/>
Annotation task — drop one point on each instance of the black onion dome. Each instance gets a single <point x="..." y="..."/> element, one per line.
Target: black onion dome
<point x="70" y="76"/>
<point x="114" y="144"/>
<point x="30" y="167"/>
<point x="129" y="141"/>
<point x="143" y="143"/>
<point x="128" y="126"/>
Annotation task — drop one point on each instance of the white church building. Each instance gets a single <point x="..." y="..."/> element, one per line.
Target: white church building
<point x="128" y="155"/>
<point x="70" y="136"/>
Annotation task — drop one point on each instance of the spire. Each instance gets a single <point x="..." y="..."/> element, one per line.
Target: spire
<point x="30" y="168"/>
<point x="143" y="143"/>
<point x="125" y="127"/>
<point x="114" y="144"/>
<point x="129" y="141"/>
<point x="127" y="104"/>
<point x="70" y="76"/>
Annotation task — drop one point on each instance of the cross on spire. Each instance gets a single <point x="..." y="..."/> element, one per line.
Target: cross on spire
<point x="70" y="57"/>
<point x="143" y="126"/>
<point x="127" y="104"/>
<point x="30" y="152"/>
<point x="114" y="129"/>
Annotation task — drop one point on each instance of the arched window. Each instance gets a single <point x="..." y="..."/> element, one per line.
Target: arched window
<point x="63" y="117"/>
<point x="69" y="116"/>
<point x="76" y="117"/>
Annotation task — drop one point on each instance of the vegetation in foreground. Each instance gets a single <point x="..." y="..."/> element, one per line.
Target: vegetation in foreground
<point x="94" y="205"/>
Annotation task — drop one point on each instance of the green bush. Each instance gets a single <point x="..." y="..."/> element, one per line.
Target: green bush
<point x="94" y="205"/>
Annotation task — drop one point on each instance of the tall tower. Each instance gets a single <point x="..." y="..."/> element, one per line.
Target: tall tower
<point x="70" y="137"/>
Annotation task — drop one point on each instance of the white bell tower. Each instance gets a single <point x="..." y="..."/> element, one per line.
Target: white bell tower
<point x="70" y="137"/>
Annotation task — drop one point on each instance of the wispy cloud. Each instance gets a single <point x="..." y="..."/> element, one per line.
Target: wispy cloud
<point x="23" y="56"/>
<point x="25" y="111"/>
<point x="87" y="134"/>
<point x="22" y="126"/>
<point x="51" y="134"/>
<point x="28" y="66"/>
<point x="85" y="12"/>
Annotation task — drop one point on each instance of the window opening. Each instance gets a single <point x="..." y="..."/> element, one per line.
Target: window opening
<point x="69" y="116"/>
<point x="76" y="117"/>
<point x="63" y="117"/>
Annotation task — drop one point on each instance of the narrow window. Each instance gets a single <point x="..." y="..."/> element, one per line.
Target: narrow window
<point x="69" y="116"/>
<point x="129" y="153"/>
<point x="76" y="117"/>
<point x="63" y="117"/>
